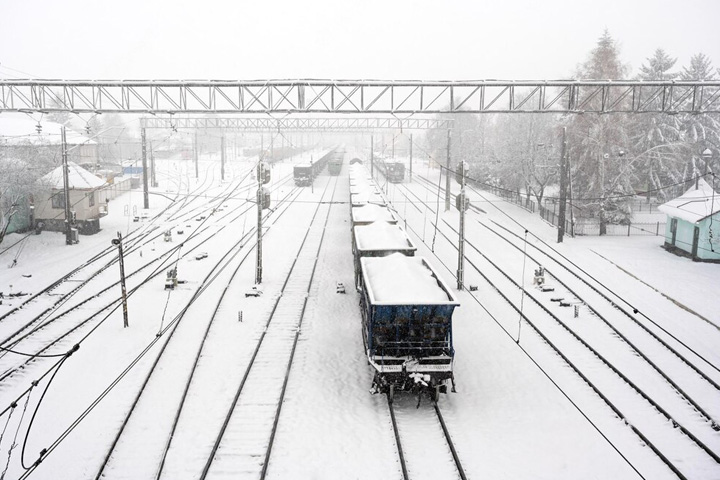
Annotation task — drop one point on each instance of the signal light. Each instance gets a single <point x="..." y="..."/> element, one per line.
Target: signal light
<point x="461" y="170"/>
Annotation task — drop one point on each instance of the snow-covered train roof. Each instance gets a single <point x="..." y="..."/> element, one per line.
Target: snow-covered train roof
<point x="382" y="236"/>
<point x="356" y="189"/>
<point x="367" y="197"/>
<point x="369" y="213"/>
<point x="401" y="280"/>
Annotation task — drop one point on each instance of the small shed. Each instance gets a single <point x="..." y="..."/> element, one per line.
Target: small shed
<point x="84" y="202"/>
<point x="693" y="225"/>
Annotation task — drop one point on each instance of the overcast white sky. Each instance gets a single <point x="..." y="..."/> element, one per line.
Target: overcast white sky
<point x="335" y="39"/>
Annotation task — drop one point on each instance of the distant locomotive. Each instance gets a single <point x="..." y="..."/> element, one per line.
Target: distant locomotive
<point x="305" y="173"/>
<point x="335" y="163"/>
<point x="406" y="308"/>
<point x="393" y="171"/>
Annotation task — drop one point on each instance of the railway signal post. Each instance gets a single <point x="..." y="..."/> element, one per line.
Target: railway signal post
<point x="66" y="190"/>
<point x="410" y="176"/>
<point x="222" y="157"/>
<point x="121" y="261"/>
<point x="447" y="173"/>
<point x="263" y="202"/>
<point x="563" y="188"/>
<point x="462" y="206"/>
<point x="146" y="198"/>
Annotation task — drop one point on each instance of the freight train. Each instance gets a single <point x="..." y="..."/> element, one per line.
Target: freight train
<point x="305" y="173"/>
<point x="392" y="170"/>
<point x="406" y="307"/>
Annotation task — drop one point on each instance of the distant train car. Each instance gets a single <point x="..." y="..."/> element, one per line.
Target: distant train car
<point x="379" y="239"/>
<point x="303" y="174"/>
<point x="393" y="171"/>
<point x="336" y="162"/>
<point x="369" y="213"/>
<point x="407" y="325"/>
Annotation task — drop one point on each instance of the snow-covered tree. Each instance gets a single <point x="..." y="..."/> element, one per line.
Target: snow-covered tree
<point x="602" y="173"/>
<point x="657" y="139"/>
<point x="527" y="153"/>
<point x="701" y="132"/>
<point x="22" y="164"/>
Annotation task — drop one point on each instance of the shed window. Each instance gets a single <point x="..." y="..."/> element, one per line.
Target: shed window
<point x="91" y="199"/>
<point x="58" y="200"/>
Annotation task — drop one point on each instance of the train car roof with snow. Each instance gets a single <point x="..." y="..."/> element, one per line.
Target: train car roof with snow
<point x="364" y="188"/>
<point x="382" y="236"/>
<point x="369" y="213"/>
<point x="401" y="280"/>
<point x="367" y="197"/>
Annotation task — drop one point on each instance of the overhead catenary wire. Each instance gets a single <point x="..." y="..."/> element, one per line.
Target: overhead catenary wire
<point x="544" y="372"/>
<point x="522" y="288"/>
<point x="116" y="381"/>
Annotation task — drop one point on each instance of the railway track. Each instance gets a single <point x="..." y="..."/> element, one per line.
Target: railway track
<point x="166" y="333"/>
<point x="420" y="434"/>
<point x="163" y="463"/>
<point x="57" y="328"/>
<point x="244" y="443"/>
<point x="626" y="398"/>
<point x="645" y="342"/>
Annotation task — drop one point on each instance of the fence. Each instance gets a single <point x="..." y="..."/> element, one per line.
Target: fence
<point x="552" y="217"/>
<point x="585" y="226"/>
<point x="644" y="207"/>
<point x="512" y="197"/>
<point x="590" y="227"/>
<point x="121" y="185"/>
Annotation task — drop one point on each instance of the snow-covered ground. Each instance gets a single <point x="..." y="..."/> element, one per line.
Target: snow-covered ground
<point x="507" y="419"/>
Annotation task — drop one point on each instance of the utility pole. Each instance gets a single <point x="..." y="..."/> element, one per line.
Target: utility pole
<point x="410" y="157"/>
<point x="563" y="188"/>
<point x="153" y="178"/>
<point x="66" y="189"/>
<point x="461" y="239"/>
<point x="121" y="261"/>
<point x="258" y="258"/>
<point x="263" y="177"/>
<point x="146" y="197"/>
<point x="195" y="154"/>
<point x="372" y="161"/>
<point x="447" y="173"/>
<point x="222" y="157"/>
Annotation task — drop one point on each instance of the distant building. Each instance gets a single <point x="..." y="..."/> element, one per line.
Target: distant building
<point x="693" y="225"/>
<point x="85" y="200"/>
<point x="28" y="149"/>
<point x="21" y="137"/>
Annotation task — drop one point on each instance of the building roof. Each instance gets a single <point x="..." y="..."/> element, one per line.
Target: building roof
<point x="78" y="177"/>
<point x="694" y="205"/>
<point x="20" y="131"/>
